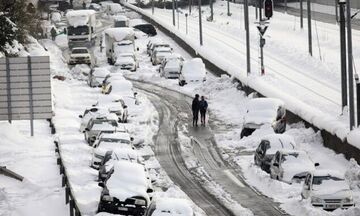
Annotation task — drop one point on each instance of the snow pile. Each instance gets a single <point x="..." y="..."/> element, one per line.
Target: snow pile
<point x="193" y="69"/>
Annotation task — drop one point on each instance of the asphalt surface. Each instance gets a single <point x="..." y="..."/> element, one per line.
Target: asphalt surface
<point x="174" y="110"/>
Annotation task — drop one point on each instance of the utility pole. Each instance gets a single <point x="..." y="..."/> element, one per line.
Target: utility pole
<point x="301" y="14"/>
<point x="152" y="7"/>
<point x="211" y="11"/>
<point x="200" y="24"/>
<point x="228" y="8"/>
<point x="285" y="1"/>
<point x="336" y="10"/>
<point x="186" y="17"/>
<point x="173" y="11"/>
<point x="343" y="55"/>
<point x="309" y="26"/>
<point x="262" y="40"/>
<point x="190" y="5"/>
<point x="246" y="19"/>
<point x="260" y="10"/>
<point x="350" y="66"/>
<point x="358" y="98"/>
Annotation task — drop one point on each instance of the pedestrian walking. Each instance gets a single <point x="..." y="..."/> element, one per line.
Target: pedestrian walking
<point x="203" y="105"/>
<point x="195" y="109"/>
<point x="53" y="33"/>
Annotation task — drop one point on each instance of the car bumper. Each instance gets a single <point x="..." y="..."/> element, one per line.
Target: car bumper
<point x="120" y="208"/>
<point x="80" y="61"/>
<point x="332" y="206"/>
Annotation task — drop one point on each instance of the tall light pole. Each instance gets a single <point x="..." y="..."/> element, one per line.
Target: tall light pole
<point x="211" y="11"/>
<point x="152" y="7"/>
<point x="200" y="24"/>
<point x="190" y="5"/>
<point x="350" y="65"/>
<point x="246" y="20"/>
<point x="186" y="17"/>
<point x="343" y="54"/>
<point x="228" y="8"/>
<point x="309" y="26"/>
<point x="301" y="14"/>
<point x="173" y="11"/>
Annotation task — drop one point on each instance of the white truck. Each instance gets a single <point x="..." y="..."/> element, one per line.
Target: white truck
<point x="118" y="40"/>
<point x="81" y="28"/>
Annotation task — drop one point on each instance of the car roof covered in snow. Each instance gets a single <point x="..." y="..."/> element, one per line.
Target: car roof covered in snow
<point x="97" y="71"/>
<point x="121" y="87"/>
<point x="172" y="206"/>
<point x="128" y="180"/>
<point x="119" y="34"/>
<point x="79" y="17"/>
<point x="120" y="18"/>
<point x="278" y="142"/>
<point x="194" y="66"/>
<point x="116" y="135"/>
<point x="262" y="111"/>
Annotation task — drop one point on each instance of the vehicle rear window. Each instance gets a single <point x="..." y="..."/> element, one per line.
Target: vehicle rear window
<point x="78" y="51"/>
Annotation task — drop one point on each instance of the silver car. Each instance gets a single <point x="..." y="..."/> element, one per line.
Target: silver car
<point x="95" y="126"/>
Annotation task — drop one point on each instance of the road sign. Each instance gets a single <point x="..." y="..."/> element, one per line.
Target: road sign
<point x="262" y="29"/>
<point x="25" y="88"/>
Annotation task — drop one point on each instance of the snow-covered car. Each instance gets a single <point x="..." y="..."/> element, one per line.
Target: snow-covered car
<point x="171" y="66"/>
<point x="97" y="76"/>
<point x="113" y="9"/>
<point x="268" y="146"/>
<point x="291" y="166"/>
<point x="121" y="21"/>
<point x="151" y="43"/>
<point x="127" y="61"/>
<point x="109" y="142"/>
<point x="169" y="206"/>
<point x="118" y="87"/>
<point x="156" y="44"/>
<point x="160" y="53"/>
<point x="192" y="71"/>
<point x="264" y="111"/>
<point x="147" y="28"/>
<point x="92" y="113"/>
<point x="327" y="189"/>
<point x="125" y="192"/>
<point x="112" y="156"/>
<point x="95" y="7"/>
<point x="80" y="55"/>
<point x="95" y="126"/>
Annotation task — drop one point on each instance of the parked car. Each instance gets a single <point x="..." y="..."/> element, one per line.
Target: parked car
<point x="118" y="87"/>
<point x="192" y="71"/>
<point x="146" y="28"/>
<point x="117" y="141"/>
<point x="156" y="44"/>
<point x="327" y="189"/>
<point x="169" y="206"/>
<point x="95" y="126"/>
<point x="291" y="166"/>
<point x="111" y="156"/>
<point x="264" y="111"/>
<point x="80" y="55"/>
<point x="151" y="43"/>
<point x="121" y="21"/>
<point x="92" y="113"/>
<point x="171" y="66"/>
<point x="95" y="7"/>
<point x="97" y="76"/>
<point x="125" y="191"/>
<point x="127" y="61"/>
<point x="160" y="53"/>
<point x="268" y="146"/>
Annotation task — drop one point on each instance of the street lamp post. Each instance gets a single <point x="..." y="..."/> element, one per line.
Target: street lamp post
<point x="186" y="21"/>
<point x="228" y="8"/>
<point x="246" y="20"/>
<point x="309" y="26"/>
<point x="343" y="54"/>
<point x="350" y="65"/>
<point x="173" y="11"/>
<point x="152" y="7"/>
<point x="200" y="24"/>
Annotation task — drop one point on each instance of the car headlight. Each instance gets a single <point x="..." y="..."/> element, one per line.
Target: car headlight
<point x="316" y="200"/>
<point x="140" y="202"/>
<point x="348" y="200"/>
<point x="107" y="198"/>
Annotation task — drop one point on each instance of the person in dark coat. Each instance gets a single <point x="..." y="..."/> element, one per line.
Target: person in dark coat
<point x="53" y="33"/>
<point x="203" y="105"/>
<point x="195" y="109"/>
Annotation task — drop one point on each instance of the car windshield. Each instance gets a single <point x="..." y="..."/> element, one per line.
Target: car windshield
<point x="114" y="140"/>
<point x="101" y="121"/>
<point x="318" y="180"/>
<point x="79" y="30"/>
<point x="78" y="51"/>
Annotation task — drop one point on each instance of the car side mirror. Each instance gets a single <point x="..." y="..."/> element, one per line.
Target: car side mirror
<point x="101" y="184"/>
<point x="80" y="116"/>
<point x="276" y="164"/>
<point x="87" y="129"/>
<point x="317" y="164"/>
<point x="149" y="190"/>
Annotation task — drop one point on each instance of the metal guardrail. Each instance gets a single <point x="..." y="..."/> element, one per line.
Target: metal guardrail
<point x="5" y="171"/>
<point x="69" y="196"/>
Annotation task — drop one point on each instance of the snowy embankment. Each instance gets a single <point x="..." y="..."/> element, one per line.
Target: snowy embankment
<point x="316" y="107"/>
<point x="34" y="158"/>
<point x="71" y="97"/>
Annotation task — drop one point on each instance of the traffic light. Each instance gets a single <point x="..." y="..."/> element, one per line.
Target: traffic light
<point x="268" y="7"/>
